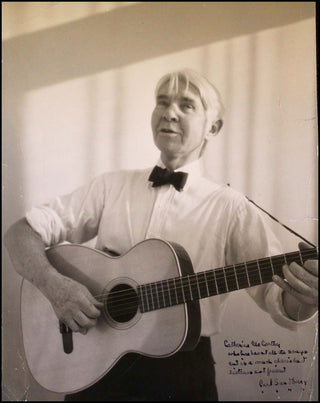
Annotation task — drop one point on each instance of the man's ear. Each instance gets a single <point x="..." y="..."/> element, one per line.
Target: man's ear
<point x="216" y="127"/>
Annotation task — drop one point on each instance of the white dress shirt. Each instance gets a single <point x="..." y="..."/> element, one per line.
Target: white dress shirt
<point x="214" y="223"/>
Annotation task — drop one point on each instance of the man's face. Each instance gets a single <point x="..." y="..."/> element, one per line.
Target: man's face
<point x="179" y="123"/>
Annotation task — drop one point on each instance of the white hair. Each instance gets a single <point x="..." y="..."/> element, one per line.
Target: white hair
<point x="209" y="95"/>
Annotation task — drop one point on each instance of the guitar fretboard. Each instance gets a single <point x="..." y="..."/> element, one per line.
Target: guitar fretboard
<point x="179" y="290"/>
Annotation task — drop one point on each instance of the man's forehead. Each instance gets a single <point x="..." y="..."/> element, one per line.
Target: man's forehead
<point x="180" y="91"/>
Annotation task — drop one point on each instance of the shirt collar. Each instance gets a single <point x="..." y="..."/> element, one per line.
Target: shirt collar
<point x="193" y="169"/>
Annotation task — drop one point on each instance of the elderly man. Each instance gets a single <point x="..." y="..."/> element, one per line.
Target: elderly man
<point x="216" y="225"/>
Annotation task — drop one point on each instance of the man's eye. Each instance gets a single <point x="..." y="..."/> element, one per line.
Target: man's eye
<point x="187" y="106"/>
<point x="162" y="103"/>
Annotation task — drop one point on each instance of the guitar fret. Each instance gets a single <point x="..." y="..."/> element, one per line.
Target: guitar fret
<point x="166" y="293"/>
<point x="259" y="271"/>
<point x="175" y="290"/>
<point x="278" y="262"/>
<point x="215" y="282"/>
<point x="201" y="278"/>
<point x="175" y="296"/>
<point x="164" y="302"/>
<point x="194" y="288"/>
<point x="154" y="293"/>
<point x="180" y="294"/>
<point x="156" y="288"/>
<point x="308" y="254"/>
<point x="272" y="268"/>
<point x="265" y="273"/>
<point x="212" y="287"/>
<point x="220" y="281"/>
<point x="245" y="264"/>
<point x="253" y="272"/>
<point x="183" y="296"/>
<point x="196" y="278"/>
<point x="225" y="278"/>
<point x="151" y="296"/>
<point x="169" y="293"/>
<point x="146" y="295"/>
<point x="235" y="275"/>
<point x="231" y="278"/>
<point x="242" y="276"/>
<point x="205" y="277"/>
<point x="292" y="257"/>
<point x="186" y="289"/>
<point x="160" y="294"/>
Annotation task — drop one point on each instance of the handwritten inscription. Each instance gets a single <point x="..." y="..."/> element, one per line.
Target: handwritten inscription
<point x="267" y="361"/>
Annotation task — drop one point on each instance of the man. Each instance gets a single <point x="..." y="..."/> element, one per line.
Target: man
<point x="215" y="224"/>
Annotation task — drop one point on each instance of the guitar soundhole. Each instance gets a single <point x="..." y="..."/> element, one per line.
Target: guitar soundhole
<point x="122" y="303"/>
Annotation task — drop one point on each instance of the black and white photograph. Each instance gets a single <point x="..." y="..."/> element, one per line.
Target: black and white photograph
<point x="160" y="201"/>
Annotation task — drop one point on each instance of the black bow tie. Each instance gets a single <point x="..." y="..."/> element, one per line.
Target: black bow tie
<point x="161" y="177"/>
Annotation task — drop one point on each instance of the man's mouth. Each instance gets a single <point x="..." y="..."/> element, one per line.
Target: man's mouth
<point x="168" y="131"/>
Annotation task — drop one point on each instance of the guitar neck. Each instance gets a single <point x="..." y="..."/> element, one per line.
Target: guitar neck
<point x="179" y="290"/>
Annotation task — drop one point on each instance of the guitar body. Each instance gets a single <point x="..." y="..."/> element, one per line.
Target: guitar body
<point x="157" y="333"/>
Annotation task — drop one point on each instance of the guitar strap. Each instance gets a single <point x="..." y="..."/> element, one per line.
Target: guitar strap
<point x="283" y="225"/>
<point x="275" y="219"/>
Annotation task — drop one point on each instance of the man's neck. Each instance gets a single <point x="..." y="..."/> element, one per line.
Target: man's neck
<point x="175" y="163"/>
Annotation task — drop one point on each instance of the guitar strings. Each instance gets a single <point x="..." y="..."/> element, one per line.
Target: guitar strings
<point x="199" y="284"/>
<point x="216" y="273"/>
<point x="127" y="305"/>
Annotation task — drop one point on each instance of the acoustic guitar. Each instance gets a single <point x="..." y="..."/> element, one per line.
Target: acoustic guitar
<point x="150" y="301"/>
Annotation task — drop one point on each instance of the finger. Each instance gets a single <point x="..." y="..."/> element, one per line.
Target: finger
<point x="99" y="304"/>
<point x="85" y="294"/>
<point x="304" y="246"/>
<point x="81" y="330"/>
<point x="86" y="303"/>
<point x="312" y="267"/>
<point x="83" y="320"/>
<point x="91" y="311"/>
<point x="95" y="302"/>
<point x="92" y="299"/>
<point x="288" y="288"/>
<point x="294" y="281"/>
<point x="73" y="325"/>
<point x="299" y="272"/>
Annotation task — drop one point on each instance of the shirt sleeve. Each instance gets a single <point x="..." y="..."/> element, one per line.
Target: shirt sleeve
<point x="250" y="238"/>
<point x="73" y="217"/>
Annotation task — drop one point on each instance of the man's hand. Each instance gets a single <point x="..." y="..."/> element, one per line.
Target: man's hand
<point x="73" y="303"/>
<point x="301" y="282"/>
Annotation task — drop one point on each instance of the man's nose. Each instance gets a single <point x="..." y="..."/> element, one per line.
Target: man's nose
<point x="170" y="114"/>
